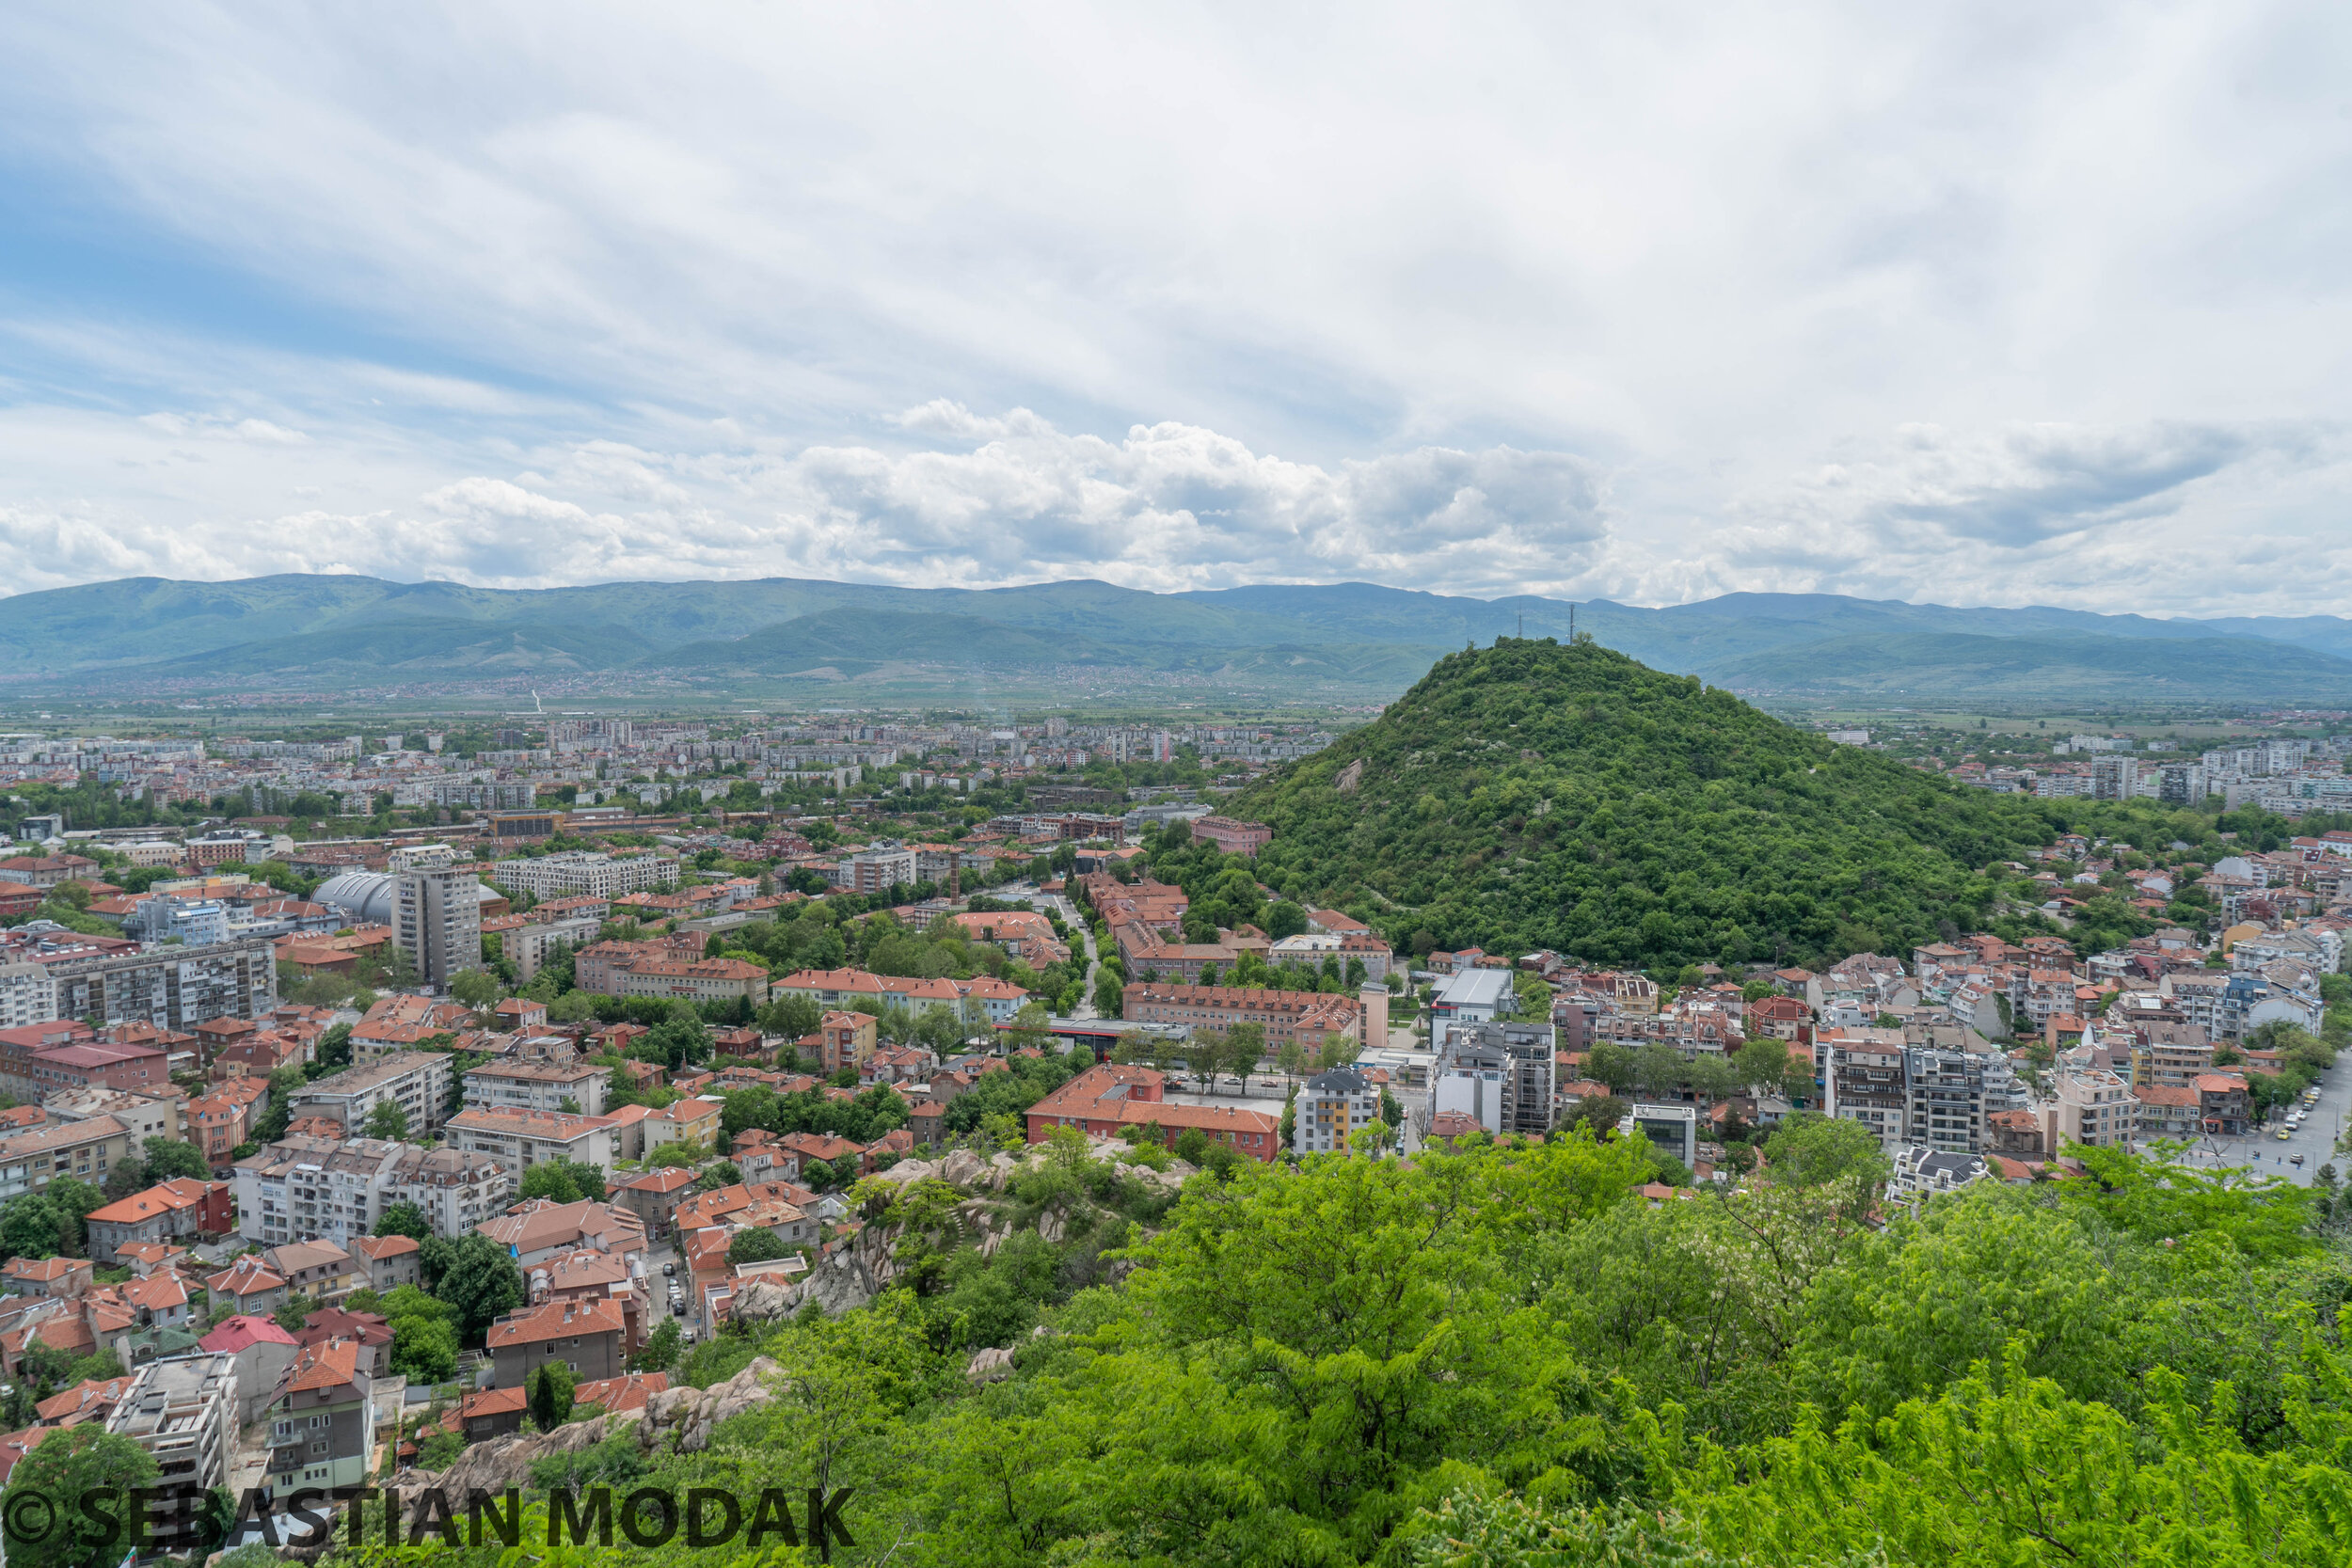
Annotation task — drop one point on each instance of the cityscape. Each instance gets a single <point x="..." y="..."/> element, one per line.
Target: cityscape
<point x="1047" y="787"/>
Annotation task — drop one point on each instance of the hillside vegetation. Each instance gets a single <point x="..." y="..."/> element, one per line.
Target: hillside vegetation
<point x="1534" y="795"/>
<point x="1504" y="1358"/>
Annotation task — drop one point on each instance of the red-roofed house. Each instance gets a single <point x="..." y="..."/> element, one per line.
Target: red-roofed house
<point x="322" y="1425"/>
<point x="263" y="1352"/>
<point x="176" y="1209"/>
<point x="587" y="1336"/>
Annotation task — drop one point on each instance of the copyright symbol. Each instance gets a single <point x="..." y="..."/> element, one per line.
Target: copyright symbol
<point x="28" y="1518"/>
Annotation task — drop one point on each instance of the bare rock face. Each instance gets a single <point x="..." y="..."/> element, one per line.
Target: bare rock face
<point x="960" y="1169"/>
<point x="689" y="1414"/>
<point x="990" y="1366"/>
<point x="764" y="1301"/>
<point x="908" y="1172"/>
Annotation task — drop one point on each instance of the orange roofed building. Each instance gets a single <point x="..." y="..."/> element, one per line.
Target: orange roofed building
<point x="1106" y="1098"/>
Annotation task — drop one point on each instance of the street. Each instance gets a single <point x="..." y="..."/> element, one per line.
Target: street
<point x="2264" y="1153"/>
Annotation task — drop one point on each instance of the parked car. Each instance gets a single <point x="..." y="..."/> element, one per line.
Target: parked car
<point x="2296" y="1159"/>
<point x="669" y="1270"/>
<point x="677" y="1305"/>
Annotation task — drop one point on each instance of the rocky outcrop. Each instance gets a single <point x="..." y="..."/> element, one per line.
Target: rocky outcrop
<point x="687" y="1416"/>
<point x="962" y="1169"/>
<point x="990" y="1366"/>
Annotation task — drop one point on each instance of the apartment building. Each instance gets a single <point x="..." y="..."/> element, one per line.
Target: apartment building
<point x="1951" y="1093"/>
<point x="171" y="988"/>
<point x="437" y="920"/>
<point x="457" y="1189"/>
<point x="1502" y="1075"/>
<point x="576" y="1088"/>
<point x="304" y="1188"/>
<point x="529" y="944"/>
<point x="585" y="872"/>
<point x="2095" y="1106"/>
<point x="30" y="1159"/>
<point x="698" y="980"/>
<point x="41" y="1062"/>
<point x="29" y="994"/>
<point x="1306" y="1017"/>
<point x="1332" y="1111"/>
<point x="519" y="1139"/>
<point x="1866" y="1082"/>
<point x="183" y="1412"/>
<point x="416" y="1080"/>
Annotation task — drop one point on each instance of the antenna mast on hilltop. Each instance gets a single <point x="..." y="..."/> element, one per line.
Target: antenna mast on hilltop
<point x="1572" y="623"/>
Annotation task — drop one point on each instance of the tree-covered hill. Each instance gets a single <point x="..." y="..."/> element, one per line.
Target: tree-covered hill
<point x="1537" y="795"/>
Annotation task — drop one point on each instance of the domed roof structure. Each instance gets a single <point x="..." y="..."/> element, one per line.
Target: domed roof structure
<point x="366" y="896"/>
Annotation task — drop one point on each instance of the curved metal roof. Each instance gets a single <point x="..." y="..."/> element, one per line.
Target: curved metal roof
<point x="367" y="897"/>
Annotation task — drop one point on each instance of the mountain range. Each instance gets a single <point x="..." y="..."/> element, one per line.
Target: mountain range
<point x="1275" y="639"/>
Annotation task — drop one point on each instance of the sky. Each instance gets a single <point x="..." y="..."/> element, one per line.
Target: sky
<point x="1993" y="304"/>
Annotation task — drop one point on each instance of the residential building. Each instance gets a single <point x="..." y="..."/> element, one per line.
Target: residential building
<point x="846" y="1040"/>
<point x="177" y="1210"/>
<point x="2095" y="1106"/>
<point x="457" y="1189"/>
<point x="575" y="1088"/>
<point x="1865" y="1081"/>
<point x="320" y="1270"/>
<point x="581" y="872"/>
<point x="538" y="1229"/>
<point x="1307" y="1016"/>
<point x="30" y="1160"/>
<point x="688" y="1122"/>
<point x="1951" y="1092"/>
<point x="305" y="1187"/>
<point x="1500" y="1075"/>
<point x="437" y="920"/>
<point x="1107" y="1096"/>
<point x="249" y="1285"/>
<point x="388" y="1261"/>
<point x="263" y="1351"/>
<point x="654" y="1196"/>
<point x="1232" y="837"/>
<point x="1922" y="1172"/>
<point x="1332" y="1111"/>
<point x="322" y="1425"/>
<point x="519" y="1139"/>
<point x="46" y="1279"/>
<point x="416" y="1080"/>
<point x="218" y="1124"/>
<point x="368" y="1330"/>
<point x="587" y="1337"/>
<point x="171" y="988"/>
<point x="183" y="1413"/>
<point x="529" y="945"/>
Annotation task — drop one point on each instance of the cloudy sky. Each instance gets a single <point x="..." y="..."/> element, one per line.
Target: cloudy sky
<point x="1976" y="303"/>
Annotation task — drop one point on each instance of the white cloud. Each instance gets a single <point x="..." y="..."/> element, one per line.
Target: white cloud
<point x="1950" y="301"/>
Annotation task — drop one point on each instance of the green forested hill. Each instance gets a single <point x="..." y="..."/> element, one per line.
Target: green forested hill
<point x="1535" y="795"/>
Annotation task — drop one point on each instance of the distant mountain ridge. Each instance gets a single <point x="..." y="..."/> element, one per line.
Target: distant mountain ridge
<point x="333" y="630"/>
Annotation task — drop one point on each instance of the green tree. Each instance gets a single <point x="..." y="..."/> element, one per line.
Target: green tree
<point x="388" y="1119"/>
<point x="551" y="1179"/>
<point x="67" y="1465"/>
<point x="403" y="1219"/>
<point x="474" y="1276"/>
<point x="170" y="1158"/>
<point x="548" y="1394"/>
<point x="476" y="988"/>
<point x="756" y="1244"/>
<point x="659" y="1353"/>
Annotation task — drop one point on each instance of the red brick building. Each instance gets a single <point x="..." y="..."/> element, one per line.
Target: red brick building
<point x="1233" y="837"/>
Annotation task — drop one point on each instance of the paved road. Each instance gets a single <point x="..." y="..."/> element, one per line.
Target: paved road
<point x="2316" y="1140"/>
